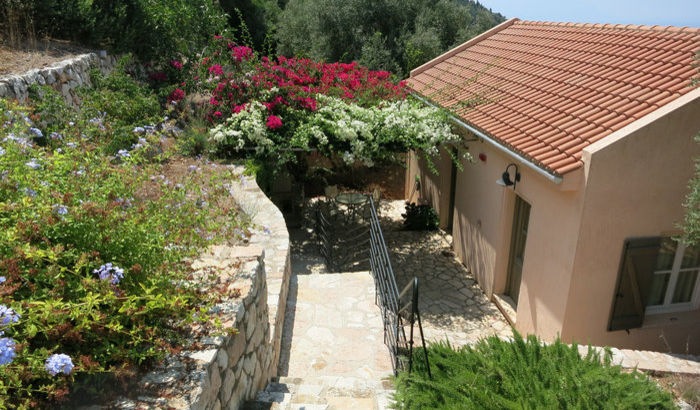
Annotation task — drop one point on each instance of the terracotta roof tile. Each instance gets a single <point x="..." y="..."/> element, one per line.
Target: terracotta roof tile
<point x="551" y="89"/>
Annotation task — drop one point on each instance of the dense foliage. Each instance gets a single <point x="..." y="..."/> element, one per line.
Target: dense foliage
<point x="92" y="278"/>
<point x="274" y="109"/>
<point x="524" y="374"/>
<point x="391" y="35"/>
<point x="420" y="217"/>
<point x="152" y="30"/>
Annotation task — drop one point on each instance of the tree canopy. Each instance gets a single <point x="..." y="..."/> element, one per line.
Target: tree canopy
<point x="392" y="35"/>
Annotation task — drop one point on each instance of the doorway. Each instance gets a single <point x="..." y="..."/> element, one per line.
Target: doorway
<point x="521" y="218"/>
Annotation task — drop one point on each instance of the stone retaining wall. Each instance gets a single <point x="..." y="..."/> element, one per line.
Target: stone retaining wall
<point x="64" y="76"/>
<point x="229" y="367"/>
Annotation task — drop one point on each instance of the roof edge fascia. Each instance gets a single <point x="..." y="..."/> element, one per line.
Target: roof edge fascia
<point x="555" y="178"/>
<point x="463" y="46"/>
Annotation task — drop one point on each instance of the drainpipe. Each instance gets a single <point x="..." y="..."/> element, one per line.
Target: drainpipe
<point x="554" y="178"/>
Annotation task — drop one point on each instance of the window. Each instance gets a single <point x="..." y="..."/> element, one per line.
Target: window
<point x="674" y="286"/>
<point x="657" y="275"/>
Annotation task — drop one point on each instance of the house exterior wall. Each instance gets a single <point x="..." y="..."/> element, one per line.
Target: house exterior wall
<point x="435" y="188"/>
<point x="482" y="230"/>
<point x="636" y="181"/>
<point x="632" y="185"/>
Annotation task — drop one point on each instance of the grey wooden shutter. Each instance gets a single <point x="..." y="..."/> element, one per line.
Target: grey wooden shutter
<point x="633" y="282"/>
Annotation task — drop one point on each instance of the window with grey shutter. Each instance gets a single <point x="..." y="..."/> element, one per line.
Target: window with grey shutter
<point x="633" y="282"/>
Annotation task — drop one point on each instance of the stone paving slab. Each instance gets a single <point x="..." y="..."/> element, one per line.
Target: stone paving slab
<point x="452" y="305"/>
<point x="333" y="328"/>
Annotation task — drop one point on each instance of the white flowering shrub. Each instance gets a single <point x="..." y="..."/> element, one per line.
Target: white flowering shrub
<point x="346" y="129"/>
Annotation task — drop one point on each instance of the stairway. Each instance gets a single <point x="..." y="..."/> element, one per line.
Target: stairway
<point x="323" y="393"/>
<point x="333" y="353"/>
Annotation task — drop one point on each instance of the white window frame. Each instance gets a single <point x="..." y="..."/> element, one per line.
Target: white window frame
<point x="667" y="306"/>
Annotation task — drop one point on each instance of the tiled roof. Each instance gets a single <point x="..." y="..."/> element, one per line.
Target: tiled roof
<point x="548" y="90"/>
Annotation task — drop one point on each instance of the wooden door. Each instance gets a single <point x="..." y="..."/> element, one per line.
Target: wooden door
<point x="518" y="238"/>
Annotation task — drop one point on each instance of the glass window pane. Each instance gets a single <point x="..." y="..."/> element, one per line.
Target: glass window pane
<point x="658" y="289"/>
<point x="691" y="257"/>
<point x="666" y="254"/>
<point x="684" y="286"/>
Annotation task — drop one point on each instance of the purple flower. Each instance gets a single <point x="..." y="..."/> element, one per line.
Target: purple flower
<point x="110" y="272"/>
<point x="122" y="153"/>
<point x="56" y="136"/>
<point x="139" y="130"/>
<point x="8" y="316"/>
<point x="60" y="209"/>
<point x="29" y="192"/>
<point x="33" y="164"/>
<point x="2" y="151"/>
<point x="2" y="279"/>
<point x="58" y="363"/>
<point x="37" y="132"/>
<point x="7" y="351"/>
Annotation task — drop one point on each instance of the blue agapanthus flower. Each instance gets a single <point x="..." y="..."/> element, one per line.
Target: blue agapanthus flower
<point x="58" y="363"/>
<point x="8" y="316"/>
<point x="122" y="153"/>
<point x="2" y="151"/>
<point x="2" y="280"/>
<point x="110" y="272"/>
<point x="7" y="351"/>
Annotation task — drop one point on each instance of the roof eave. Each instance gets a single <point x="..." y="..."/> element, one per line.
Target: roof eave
<point x="551" y="176"/>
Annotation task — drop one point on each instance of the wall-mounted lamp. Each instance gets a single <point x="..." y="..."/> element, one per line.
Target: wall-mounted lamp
<point x="505" y="179"/>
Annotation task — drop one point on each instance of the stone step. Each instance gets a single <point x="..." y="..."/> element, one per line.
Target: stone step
<point x="323" y="393"/>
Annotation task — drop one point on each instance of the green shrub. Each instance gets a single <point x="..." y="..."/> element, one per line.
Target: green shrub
<point x="420" y="217"/>
<point x="66" y="211"/>
<point x="153" y="30"/>
<point x="524" y="374"/>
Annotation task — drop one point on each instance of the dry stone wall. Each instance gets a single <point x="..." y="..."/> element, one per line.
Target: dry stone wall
<point x="228" y="368"/>
<point x="64" y="76"/>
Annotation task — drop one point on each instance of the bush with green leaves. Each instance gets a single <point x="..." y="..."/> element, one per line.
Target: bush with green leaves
<point x="92" y="249"/>
<point x="524" y="374"/>
<point x="152" y="30"/>
<point x="420" y="217"/>
<point x="393" y="35"/>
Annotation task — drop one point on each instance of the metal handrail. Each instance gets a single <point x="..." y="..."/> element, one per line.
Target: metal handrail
<point x="389" y="299"/>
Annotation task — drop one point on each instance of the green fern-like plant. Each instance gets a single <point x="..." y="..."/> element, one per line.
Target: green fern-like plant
<point x="524" y="374"/>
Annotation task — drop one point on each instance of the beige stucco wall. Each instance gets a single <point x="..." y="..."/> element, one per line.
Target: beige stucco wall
<point x="482" y="229"/>
<point x="435" y="188"/>
<point x="636" y="181"/>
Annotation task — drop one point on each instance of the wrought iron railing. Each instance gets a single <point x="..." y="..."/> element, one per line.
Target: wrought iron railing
<point x="342" y="245"/>
<point x="398" y="309"/>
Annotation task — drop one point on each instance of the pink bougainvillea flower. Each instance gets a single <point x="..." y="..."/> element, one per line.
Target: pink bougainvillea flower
<point x="273" y="122"/>
<point x="238" y="108"/>
<point x="217" y="37"/>
<point x="216" y="69"/>
<point x="213" y="101"/>
<point x="241" y="53"/>
<point x="176" y="95"/>
<point x="176" y="64"/>
<point x="217" y="114"/>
